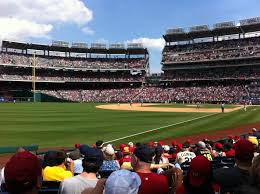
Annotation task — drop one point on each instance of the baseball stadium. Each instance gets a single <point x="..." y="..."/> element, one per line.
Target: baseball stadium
<point x="63" y="96"/>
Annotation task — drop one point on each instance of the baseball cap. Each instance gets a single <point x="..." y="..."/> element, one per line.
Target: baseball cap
<point x="185" y="145"/>
<point x="218" y="145"/>
<point x="199" y="171"/>
<point x="22" y="171"/>
<point x="131" y="144"/>
<point x="74" y="155"/>
<point x="231" y="136"/>
<point x="99" y="143"/>
<point x="161" y="143"/>
<point x="166" y="148"/>
<point x="174" y="143"/>
<point x="122" y="181"/>
<point x="244" y="150"/>
<point x="253" y="140"/>
<point x="144" y="153"/>
<point x="201" y="144"/>
<point x="150" y="143"/>
<point x="94" y="155"/>
<point x="109" y="150"/>
<point x="126" y="150"/>
<point x="77" y="145"/>
<point x="254" y="129"/>
<point x="121" y="147"/>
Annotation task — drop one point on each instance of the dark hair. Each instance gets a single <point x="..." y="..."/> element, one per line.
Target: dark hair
<point x="158" y="154"/>
<point x="60" y="158"/>
<point x="91" y="167"/>
<point x="206" y="187"/>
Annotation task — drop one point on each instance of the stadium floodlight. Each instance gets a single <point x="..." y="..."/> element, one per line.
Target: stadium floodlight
<point x="199" y="28"/>
<point x="135" y="45"/>
<point x="250" y="21"/>
<point x="98" y="46"/>
<point x="59" y="43"/>
<point x="79" y="45"/>
<point x="175" y="31"/>
<point x="117" y="46"/>
<point x="221" y="25"/>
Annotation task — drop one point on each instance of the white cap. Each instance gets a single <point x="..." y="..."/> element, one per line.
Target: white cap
<point x="166" y="147"/>
<point x="109" y="150"/>
<point x="201" y="144"/>
<point x="131" y="144"/>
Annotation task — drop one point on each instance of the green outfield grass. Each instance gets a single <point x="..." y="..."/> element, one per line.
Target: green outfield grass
<point x="64" y="124"/>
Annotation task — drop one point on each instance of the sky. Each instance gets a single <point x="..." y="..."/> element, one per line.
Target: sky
<point x="114" y="21"/>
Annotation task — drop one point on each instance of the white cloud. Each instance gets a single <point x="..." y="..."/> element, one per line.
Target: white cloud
<point x="88" y="30"/>
<point x="15" y="29"/>
<point x="47" y="10"/>
<point x="151" y="43"/>
<point x="39" y="16"/>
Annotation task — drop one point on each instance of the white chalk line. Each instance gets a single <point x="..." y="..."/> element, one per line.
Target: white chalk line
<point x="166" y="126"/>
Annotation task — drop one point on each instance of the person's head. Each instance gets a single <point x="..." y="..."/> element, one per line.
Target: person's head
<point x="218" y="147"/>
<point x="244" y="152"/>
<point x="166" y="148"/>
<point x="254" y="141"/>
<point x="199" y="177"/>
<point x="23" y="173"/>
<point x="185" y="146"/>
<point x="199" y="171"/>
<point x="201" y="145"/>
<point x="60" y="158"/>
<point x="20" y="149"/>
<point x="99" y="144"/>
<point x="122" y="181"/>
<point x="92" y="161"/>
<point x="49" y="159"/>
<point x="142" y="157"/>
<point x="109" y="152"/>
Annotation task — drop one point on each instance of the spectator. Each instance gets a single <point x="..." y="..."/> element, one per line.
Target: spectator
<point x="199" y="179"/>
<point x="77" y="160"/>
<point x="255" y="133"/>
<point x="23" y="174"/>
<point x="218" y="151"/>
<point x="87" y="179"/>
<point x="185" y="155"/>
<point x="109" y="163"/>
<point x="203" y="150"/>
<point x="99" y="144"/>
<point x="151" y="183"/>
<point x="254" y="186"/>
<point x="230" y="179"/>
<point x="59" y="171"/>
<point x="159" y="158"/>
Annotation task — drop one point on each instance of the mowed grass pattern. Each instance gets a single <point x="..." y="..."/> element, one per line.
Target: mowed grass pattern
<point x="64" y="124"/>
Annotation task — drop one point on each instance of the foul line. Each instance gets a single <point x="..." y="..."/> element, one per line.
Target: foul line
<point x="151" y="130"/>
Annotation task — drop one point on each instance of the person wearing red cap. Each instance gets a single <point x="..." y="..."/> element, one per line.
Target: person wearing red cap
<point x="218" y="151"/>
<point x="230" y="179"/>
<point x="199" y="179"/>
<point x="151" y="183"/>
<point x="23" y="174"/>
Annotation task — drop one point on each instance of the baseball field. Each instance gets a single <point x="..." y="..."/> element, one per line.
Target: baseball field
<point x="64" y="124"/>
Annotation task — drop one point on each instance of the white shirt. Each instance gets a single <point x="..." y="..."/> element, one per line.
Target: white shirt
<point x="185" y="156"/>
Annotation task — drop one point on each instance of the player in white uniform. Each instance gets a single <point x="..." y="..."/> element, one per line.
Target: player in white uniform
<point x="185" y="155"/>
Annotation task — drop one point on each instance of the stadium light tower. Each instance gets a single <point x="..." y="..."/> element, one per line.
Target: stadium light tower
<point x="34" y="78"/>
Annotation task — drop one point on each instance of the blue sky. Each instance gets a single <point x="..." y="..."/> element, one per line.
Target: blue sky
<point x="115" y="21"/>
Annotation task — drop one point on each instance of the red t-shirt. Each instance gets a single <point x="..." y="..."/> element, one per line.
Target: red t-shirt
<point x="230" y="153"/>
<point x="153" y="183"/>
<point x="181" y="189"/>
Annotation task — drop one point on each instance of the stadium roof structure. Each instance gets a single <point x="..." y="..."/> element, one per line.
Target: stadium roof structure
<point x="95" y="48"/>
<point x="219" y="29"/>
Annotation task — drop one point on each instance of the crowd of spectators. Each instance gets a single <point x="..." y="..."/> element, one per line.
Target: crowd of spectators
<point x="228" y="166"/>
<point x="228" y="49"/>
<point x="69" y="62"/>
<point x="220" y="93"/>
<point x="213" y="74"/>
<point x="69" y="76"/>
